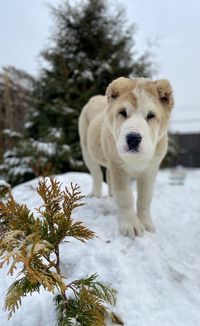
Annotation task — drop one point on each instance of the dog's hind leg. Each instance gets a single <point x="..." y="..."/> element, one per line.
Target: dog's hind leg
<point x="97" y="176"/>
<point x="93" y="167"/>
<point x="108" y="180"/>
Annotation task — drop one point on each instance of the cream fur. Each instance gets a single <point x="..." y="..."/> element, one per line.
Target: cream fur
<point x="103" y="131"/>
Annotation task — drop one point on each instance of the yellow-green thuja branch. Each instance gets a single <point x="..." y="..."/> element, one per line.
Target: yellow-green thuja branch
<point x="31" y="245"/>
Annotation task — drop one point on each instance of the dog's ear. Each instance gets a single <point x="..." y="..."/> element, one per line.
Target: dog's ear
<point x="118" y="87"/>
<point x="165" y="93"/>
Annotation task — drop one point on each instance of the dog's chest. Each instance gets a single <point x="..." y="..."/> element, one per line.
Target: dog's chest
<point x="134" y="169"/>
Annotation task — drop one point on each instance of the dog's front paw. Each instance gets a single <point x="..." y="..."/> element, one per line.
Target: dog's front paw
<point x="131" y="228"/>
<point x="149" y="226"/>
<point x="147" y="222"/>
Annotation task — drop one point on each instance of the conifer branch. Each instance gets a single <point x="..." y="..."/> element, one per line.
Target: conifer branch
<point x="34" y="243"/>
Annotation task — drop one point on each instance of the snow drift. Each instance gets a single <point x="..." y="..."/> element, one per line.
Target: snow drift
<point x="157" y="277"/>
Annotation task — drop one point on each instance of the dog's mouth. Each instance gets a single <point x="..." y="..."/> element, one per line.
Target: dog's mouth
<point x="125" y="148"/>
<point x="136" y="154"/>
<point x="133" y="152"/>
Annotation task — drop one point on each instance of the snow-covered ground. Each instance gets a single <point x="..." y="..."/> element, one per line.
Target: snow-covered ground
<point x="157" y="277"/>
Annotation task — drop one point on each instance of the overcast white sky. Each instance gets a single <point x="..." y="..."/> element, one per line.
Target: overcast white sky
<point x="25" y="26"/>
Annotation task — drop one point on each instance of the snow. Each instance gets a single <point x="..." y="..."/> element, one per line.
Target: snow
<point x="156" y="276"/>
<point x="87" y="75"/>
<point x="45" y="147"/>
<point x="12" y="133"/>
<point x="3" y="183"/>
<point x="104" y="67"/>
<point x="28" y="124"/>
<point x="55" y="132"/>
<point x="20" y="170"/>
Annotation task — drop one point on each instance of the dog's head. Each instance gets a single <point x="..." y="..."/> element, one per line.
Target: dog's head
<point x="138" y="114"/>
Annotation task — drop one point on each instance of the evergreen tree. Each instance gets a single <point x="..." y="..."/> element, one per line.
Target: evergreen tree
<point x="89" y="48"/>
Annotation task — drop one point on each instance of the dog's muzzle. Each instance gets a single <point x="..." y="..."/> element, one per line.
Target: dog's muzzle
<point x="133" y="140"/>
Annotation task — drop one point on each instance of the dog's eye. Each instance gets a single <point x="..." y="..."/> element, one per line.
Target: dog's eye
<point x="123" y="113"/>
<point x="150" y="116"/>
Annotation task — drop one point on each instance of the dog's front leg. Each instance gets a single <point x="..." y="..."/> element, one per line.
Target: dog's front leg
<point x="145" y="184"/>
<point x="128" y="221"/>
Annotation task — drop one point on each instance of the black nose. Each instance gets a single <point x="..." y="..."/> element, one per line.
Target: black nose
<point x="133" y="140"/>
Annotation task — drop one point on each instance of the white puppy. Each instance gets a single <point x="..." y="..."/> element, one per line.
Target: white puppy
<point x="126" y="132"/>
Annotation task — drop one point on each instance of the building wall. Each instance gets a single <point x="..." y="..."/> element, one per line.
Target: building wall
<point x="189" y="150"/>
<point x="16" y="99"/>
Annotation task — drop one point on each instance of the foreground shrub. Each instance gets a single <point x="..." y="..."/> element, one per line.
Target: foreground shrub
<point x="31" y="245"/>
